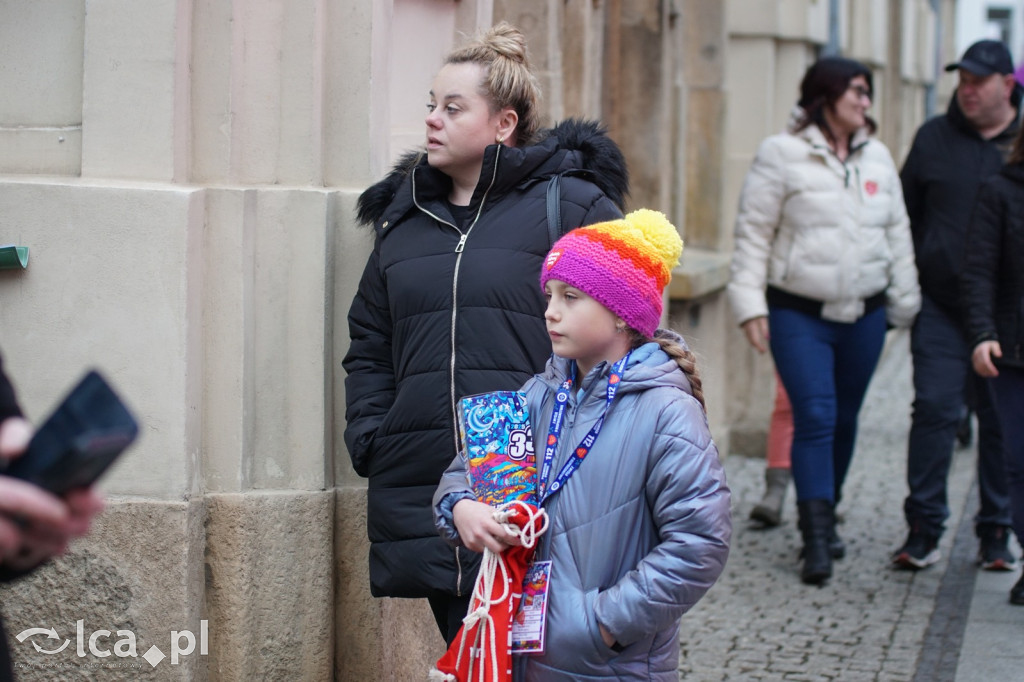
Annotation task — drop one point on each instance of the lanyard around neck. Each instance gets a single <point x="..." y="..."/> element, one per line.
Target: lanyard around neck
<point x="555" y="431"/>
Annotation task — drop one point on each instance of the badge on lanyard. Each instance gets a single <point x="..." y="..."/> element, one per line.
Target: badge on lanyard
<point x="528" y="624"/>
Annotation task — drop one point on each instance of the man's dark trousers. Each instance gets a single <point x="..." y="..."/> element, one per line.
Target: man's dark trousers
<point x="942" y="365"/>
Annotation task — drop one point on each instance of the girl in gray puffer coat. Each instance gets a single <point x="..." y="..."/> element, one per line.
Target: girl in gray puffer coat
<point x="638" y="506"/>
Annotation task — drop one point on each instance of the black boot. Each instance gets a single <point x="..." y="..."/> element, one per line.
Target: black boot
<point x="835" y="543"/>
<point x="817" y="523"/>
<point x="836" y="546"/>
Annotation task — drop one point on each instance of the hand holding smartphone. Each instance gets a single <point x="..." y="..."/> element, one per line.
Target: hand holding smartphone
<point x="79" y="441"/>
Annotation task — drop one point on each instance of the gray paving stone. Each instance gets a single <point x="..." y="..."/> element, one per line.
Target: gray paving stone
<point x="869" y="623"/>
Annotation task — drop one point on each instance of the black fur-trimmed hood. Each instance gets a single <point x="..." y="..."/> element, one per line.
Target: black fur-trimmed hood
<point x="598" y="154"/>
<point x="572" y="145"/>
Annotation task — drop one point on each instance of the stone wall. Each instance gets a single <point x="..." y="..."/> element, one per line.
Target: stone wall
<point x="184" y="175"/>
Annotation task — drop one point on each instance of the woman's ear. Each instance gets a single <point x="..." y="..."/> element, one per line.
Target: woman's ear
<point x="508" y="119"/>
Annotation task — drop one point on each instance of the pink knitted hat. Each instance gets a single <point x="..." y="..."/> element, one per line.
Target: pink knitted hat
<point x="622" y="264"/>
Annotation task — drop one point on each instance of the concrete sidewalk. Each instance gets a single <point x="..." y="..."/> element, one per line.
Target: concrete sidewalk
<point x="949" y="623"/>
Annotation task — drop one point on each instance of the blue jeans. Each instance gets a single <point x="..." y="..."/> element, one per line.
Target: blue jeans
<point x="1009" y="393"/>
<point x="942" y="365"/>
<point x="825" y="367"/>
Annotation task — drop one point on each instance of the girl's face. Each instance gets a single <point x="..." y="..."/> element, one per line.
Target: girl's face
<point x="460" y="123"/>
<point x="848" y="113"/>
<point x="582" y="329"/>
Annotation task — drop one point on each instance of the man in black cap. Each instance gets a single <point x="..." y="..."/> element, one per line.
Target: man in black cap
<point x="950" y="157"/>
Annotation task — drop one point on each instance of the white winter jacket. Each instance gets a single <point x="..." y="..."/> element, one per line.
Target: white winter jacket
<point x="814" y="226"/>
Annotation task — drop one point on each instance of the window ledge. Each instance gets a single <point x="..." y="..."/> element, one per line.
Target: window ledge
<point x="701" y="272"/>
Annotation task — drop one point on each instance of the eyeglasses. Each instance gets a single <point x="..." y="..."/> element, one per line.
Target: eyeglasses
<point x="861" y="91"/>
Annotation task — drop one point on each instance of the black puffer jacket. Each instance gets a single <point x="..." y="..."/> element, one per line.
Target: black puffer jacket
<point x="993" y="278"/>
<point x="946" y="164"/>
<point x="442" y="313"/>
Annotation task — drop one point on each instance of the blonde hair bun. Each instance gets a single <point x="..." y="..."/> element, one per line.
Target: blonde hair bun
<point x="508" y="41"/>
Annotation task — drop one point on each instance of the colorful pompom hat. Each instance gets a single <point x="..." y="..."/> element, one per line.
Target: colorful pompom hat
<point x="622" y="264"/>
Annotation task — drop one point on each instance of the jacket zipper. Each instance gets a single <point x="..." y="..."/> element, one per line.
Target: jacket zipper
<point x="849" y="153"/>
<point x="459" y="248"/>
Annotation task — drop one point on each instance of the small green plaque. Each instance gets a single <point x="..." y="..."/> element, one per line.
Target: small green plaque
<point x="13" y="257"/>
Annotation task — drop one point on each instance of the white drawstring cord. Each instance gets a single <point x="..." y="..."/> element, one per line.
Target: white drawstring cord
<point x="479" y="610"/>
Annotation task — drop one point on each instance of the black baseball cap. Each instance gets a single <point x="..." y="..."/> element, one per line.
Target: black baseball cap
<point x="984" y="58"/>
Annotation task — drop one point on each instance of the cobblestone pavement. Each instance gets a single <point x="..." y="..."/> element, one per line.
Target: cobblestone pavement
<point x="869" y="622"/>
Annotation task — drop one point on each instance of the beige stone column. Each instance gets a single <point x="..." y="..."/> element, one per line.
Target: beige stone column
<point x="113" y="282"/>
<point x="769" y="47"/>
<point x="135" y="104"/>
<point x="192" y="262"/>
<point x="41" y="127"/>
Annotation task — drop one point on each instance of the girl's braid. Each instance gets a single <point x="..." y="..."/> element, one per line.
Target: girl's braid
<point x="685" y="358"/>
<point x="687" y="362"/>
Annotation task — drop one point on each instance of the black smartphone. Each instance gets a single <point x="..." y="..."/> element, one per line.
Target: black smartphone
<point x="89" y="429"/>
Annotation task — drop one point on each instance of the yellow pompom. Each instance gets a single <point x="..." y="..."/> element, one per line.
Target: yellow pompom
<point x="655" y="229"/>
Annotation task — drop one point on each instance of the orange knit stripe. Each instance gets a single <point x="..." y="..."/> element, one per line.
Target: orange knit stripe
<point x="631" y="249"/>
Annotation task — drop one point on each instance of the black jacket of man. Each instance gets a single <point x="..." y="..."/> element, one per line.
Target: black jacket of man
<point x="947" y="163"/>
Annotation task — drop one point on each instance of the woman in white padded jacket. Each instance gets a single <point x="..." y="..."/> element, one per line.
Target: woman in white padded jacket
<point x="823" y="263"/>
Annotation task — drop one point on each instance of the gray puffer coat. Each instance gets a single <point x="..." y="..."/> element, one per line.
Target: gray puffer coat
<point x="640" y="531"/>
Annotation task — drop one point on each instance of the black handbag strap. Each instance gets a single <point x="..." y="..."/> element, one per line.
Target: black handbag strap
<point x="554" y="202"/>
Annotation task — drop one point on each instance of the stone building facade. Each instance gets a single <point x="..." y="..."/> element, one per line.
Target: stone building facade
<point x="184" y="173"/>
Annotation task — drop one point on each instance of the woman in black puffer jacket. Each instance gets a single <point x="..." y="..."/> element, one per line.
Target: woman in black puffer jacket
<point x="993" y="289"/>
<point x="449" y="303"/>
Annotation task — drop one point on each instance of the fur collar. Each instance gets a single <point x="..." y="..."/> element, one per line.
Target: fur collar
<point x="575" y="144"/>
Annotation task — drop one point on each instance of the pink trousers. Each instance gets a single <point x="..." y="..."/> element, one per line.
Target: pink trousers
<point x="780" y="430"/>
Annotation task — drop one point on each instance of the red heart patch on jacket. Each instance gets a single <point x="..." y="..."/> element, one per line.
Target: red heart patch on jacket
<point x="871" y="187"/>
